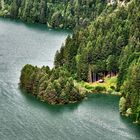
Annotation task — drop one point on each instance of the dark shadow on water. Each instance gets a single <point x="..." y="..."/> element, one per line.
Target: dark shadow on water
<point x="134" y="128"/>
<point x="35" y="26"/>
<point x="53" y="109"/>
<point x="104" y="100"/>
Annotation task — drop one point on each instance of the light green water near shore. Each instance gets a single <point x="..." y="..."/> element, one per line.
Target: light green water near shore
<point x="22" y="117"/>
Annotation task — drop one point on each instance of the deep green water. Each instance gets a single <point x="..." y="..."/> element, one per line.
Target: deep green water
<point x="22" y="117"/>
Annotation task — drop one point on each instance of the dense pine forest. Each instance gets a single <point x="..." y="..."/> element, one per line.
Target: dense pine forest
<point x="105" y="42"/>
<point x="54" y="86"/>
<point x="109" y="45"/>
<point x="54" y="13"/>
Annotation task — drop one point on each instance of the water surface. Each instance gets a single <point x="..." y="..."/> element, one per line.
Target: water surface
<point x="22" y="117"/>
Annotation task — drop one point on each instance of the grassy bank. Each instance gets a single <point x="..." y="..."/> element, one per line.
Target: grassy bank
<point x="107" y="87"/>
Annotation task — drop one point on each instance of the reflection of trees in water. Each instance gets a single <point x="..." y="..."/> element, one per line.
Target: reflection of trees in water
<point x="53" y="109"/>
<point x="135" y="128"/>
<point x="35" y="26"/>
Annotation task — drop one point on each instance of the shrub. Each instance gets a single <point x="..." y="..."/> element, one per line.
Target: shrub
<point x="100" y="89"/>
<point x="122" y="105"/>
<point x="89" y="87"/>
<point x="112" y="87"/>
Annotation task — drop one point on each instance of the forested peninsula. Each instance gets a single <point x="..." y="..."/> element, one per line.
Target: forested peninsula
<point x="105" y="42"/>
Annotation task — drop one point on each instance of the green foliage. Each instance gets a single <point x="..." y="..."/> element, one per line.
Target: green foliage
<point x="14" y="9"/>
<point x="97" y="48"/>
<point x="99" y="89"/>
<point x="110" y="44"/>
<point x="89" y="87"/>
<point x="54" y="86"/>
<point x="112" y="87"/>
<point x="55" y="13"/>
<point x="28" y="74"/>
<point x="122" y="105"/>
<point x="0" y="4"/>
<point x="111" y="63"/>
<point x="131" y="89"/>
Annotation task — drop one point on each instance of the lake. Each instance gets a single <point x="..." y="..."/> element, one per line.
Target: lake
<point x="22" y="117"/>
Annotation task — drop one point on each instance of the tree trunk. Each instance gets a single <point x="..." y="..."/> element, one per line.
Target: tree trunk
<point x="90" y="76"/>
<point x="94" y="77"/>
